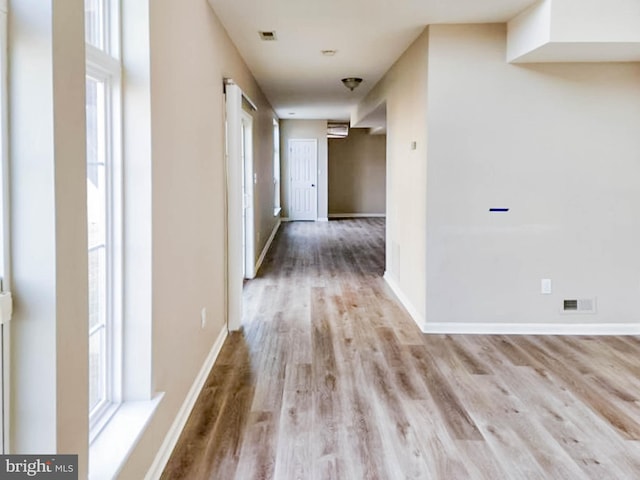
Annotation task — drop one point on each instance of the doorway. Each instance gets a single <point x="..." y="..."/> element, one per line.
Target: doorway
<point x="240" y="181"/>
<point x="303" y="179"/>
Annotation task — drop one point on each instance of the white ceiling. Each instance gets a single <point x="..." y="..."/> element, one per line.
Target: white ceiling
<point x="369" y="36"/>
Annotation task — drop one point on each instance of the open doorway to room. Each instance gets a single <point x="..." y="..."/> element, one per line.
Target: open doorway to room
<point x="357" y="174"/>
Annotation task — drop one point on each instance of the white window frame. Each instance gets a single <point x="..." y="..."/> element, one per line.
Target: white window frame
<point x="276" y="168"/>
<point x="105" y="66"/>
<point x="4" y="233"/>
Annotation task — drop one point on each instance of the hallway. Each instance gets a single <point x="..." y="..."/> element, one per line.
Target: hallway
<point x="330" y="378"/>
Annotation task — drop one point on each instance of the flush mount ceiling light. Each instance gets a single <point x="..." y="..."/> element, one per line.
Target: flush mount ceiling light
<point x="351" y="82"/>
<point x="267" y="35"/>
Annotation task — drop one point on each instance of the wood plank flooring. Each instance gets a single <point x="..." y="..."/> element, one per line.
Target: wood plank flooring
<point x="330" y="379"/>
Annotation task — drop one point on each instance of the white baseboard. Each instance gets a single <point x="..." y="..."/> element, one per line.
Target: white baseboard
<point x="509" y="328"/>
<point x="323" y="219"/>
<point x="357" y="215"/>
<point x="413" y="311"/>
<point x="533" y="328"/>
<point x="266" y="246"/>
<point x="170" y="440"/>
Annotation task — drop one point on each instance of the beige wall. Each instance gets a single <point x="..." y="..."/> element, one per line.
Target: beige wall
<point x="305" y="129"/>
<point x="404" y="90"/>
<point x="173" y="139"/>
<point x="190" y="55"/>
<point x="357" y="166"/>
<point x="555" y="143"/>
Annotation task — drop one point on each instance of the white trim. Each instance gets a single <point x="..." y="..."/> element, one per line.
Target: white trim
<point x="411" y="309"/>
<point x="322" y="219"/>
<point x="234" y="219"/>
<point x="170" y="440"/>
<point x="533" y="328"/>
<point x="5" y="251"/>
<point x="111" y="449"/>
<point x="357" y="215"/>
<point x="266" y="246"/>
<point x="101" y="62"/>
<point x="105" y="69"/>
<point x="248" y="194"/>
<point x="509" y="328"/>
<point x="230" y="81"/>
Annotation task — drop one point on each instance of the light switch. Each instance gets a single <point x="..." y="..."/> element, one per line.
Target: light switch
<point x="545" y="286"/>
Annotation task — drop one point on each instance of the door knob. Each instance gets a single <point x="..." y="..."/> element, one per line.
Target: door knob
<point x="313" y="184"/>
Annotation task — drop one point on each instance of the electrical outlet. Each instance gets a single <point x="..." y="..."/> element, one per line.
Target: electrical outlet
<point x="545" y="286"/>
<point x="203" y="317"/>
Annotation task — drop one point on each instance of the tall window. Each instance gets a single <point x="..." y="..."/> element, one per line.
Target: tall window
<point x="103" y="212"/>
<point x="4" y="223"/>
<point x="276" y="168"/>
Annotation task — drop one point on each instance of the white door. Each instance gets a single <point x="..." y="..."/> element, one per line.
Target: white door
<point x="303" y="179"/>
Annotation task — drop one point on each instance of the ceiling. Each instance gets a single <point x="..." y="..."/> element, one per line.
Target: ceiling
<point x="368" y="35"/>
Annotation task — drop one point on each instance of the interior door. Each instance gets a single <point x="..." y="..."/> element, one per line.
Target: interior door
<point x="303" y="178"/>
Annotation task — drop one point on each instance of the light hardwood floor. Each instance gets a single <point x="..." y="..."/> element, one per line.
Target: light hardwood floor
<point x="330" y="378"/>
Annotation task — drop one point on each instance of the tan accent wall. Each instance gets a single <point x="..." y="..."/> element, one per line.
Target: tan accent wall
<point x="357" y="166"/>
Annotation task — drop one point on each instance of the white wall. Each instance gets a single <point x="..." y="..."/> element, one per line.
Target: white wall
<point x="558" y="145"/>
<point x="576" y="31"/>
<point x="404" y="89"/>
<point x="305" y="129"/>
<point x="49" y="381"/>
<point x="529" y="30"/>
<point x="595" y="21"/>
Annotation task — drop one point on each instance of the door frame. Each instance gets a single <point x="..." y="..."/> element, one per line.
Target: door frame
<point x="290" y="182"/>
<point x="233" y="99"/>
<point x="248" y="216"/>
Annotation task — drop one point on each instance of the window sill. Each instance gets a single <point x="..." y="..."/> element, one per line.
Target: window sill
<point x="276" y="212"/>
<point x="113" y="445"/>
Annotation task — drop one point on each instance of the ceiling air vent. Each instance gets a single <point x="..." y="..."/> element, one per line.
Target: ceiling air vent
<point x="268" y="35"/>
<point x="337" y="130"/>
<point x="579" y="305"/>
